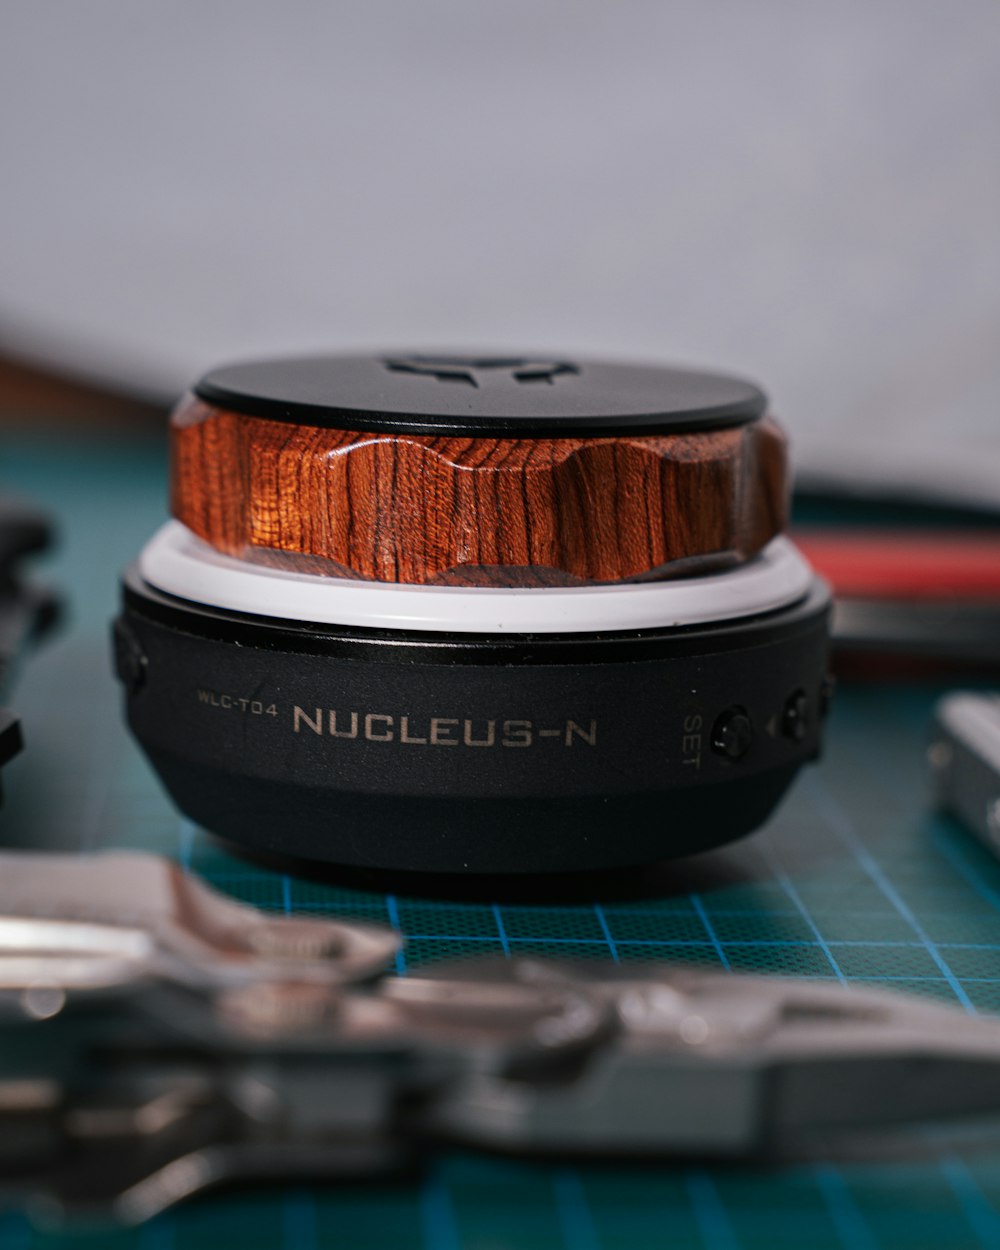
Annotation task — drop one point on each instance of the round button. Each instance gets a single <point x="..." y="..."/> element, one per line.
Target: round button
<point x="732" y="733"/>
<point x="795" y="717"/>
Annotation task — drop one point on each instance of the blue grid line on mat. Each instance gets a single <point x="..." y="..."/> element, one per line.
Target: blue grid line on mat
<point x="713" y="937"/>
<point x="977" y="1210"/>
<point x="501" y="930"/>
<point x="796" y="899"/>
<point x="440" y="1224"/>
<point x="710" y="1212"/>
<point x="848" y="1220"/>
<point x="602" y="920"/>
<point x="841" y="824"/>
<point x="576" y="1221"/>
<point x="392" y="911"/>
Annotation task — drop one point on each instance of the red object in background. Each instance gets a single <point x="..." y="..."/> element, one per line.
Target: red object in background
<point x="906" y="564"/>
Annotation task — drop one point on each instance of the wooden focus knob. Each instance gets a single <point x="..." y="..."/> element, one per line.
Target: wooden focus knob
<point x="483" y="471"/>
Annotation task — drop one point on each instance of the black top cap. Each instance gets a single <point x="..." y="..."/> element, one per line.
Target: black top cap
<point x="519" y="396"/>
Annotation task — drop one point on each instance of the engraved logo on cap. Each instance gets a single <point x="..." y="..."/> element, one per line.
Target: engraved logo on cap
<point x="483" y="371"/>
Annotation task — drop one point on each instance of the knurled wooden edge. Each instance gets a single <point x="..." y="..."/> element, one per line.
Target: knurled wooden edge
<point x="432" y="510"/>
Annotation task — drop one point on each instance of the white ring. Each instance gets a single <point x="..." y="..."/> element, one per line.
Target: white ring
<point x="177" y="562"/>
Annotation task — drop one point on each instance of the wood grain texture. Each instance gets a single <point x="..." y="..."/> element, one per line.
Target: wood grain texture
<point x="476" y="511"/>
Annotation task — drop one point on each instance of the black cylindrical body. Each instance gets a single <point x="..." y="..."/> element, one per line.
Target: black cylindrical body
<point x="472" y="753"/>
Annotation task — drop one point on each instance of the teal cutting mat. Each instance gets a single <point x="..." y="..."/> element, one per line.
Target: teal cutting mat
<point x="853" y="881"/>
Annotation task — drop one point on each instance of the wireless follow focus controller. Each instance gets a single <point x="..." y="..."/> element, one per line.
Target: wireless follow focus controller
<point x="455" y="614"/>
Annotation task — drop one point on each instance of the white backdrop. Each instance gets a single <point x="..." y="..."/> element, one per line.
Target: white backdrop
<point x="805" y="192"/>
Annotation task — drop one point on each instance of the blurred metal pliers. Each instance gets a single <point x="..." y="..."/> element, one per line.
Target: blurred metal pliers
<point x="158" y="1039"/>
